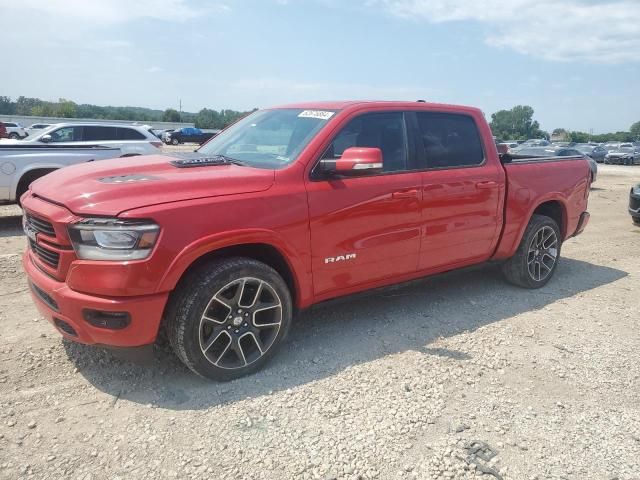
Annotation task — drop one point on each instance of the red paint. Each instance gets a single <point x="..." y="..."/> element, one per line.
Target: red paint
<point x="400" y="226"/>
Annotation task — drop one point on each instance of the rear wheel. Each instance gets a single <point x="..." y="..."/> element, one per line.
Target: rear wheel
<point x="536" y="259"/>
<point x="174" y="141"/>
<point x="228" y="318"/>
<point x="14" y="136"/>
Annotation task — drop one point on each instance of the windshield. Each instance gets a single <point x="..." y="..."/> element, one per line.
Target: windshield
<point x="37" y="135"/>
<point x="269" y="138"/>
<point x="585" y="148"/>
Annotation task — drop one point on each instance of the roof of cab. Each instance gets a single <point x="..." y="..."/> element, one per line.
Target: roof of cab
<point x="355" y="104"/>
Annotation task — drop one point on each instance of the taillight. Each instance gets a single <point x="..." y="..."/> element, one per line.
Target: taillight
<point x="156" y="144"/>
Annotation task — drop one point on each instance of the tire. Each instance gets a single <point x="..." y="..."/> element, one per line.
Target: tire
<point x="636" y="221"/>
<point x="174" y="141"/>
<point x="531" y="266"/>
<point x="227" y="318"/>
<point x="14" y="136"/>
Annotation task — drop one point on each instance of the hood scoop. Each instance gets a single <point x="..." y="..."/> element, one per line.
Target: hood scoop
<point x="131" y="178"/>
<point x="191" y="160"/>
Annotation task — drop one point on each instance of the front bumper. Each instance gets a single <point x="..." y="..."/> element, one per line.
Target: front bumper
<point x="63" y="307"/>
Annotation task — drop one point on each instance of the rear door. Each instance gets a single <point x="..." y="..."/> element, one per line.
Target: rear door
<point x="365" y="228"/>
<point x="462" y="191"/>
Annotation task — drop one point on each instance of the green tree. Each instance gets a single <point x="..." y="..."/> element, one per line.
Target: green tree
<point x="171" y="115"/>
<point x="6" y="106"/>
<point x="635" y="130"/>
<point x="578" y="137"/>
<point x="65" y="108"/>
<point x="517" y="124"/>
<point x="24" y="105"/>
<point x="207" y="119"/>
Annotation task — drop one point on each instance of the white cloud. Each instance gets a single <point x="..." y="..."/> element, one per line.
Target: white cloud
<point x="111" y="11"/>
<point x="598" y="31"/>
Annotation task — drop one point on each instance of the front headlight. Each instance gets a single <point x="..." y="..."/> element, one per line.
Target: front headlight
<point x="113" y="238"/>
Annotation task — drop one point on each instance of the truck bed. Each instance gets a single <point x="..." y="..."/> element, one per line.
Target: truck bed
<point x="532" y="181"/>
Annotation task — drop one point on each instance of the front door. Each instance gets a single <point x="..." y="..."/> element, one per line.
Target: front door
<point x="365" y="228"/>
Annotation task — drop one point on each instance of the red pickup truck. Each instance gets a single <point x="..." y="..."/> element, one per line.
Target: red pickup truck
<point x="289" y="207"/>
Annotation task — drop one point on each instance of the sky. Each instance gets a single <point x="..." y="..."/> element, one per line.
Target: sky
<point x="576" y="62"/>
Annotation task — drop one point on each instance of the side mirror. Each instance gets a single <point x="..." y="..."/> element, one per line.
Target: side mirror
<point x="45" y="138"/>
<point x="355" y="160"/>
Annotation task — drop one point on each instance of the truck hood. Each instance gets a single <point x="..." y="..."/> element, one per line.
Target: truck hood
<point x="110" y="187"/>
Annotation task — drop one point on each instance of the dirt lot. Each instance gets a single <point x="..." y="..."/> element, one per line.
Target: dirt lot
<point x="392" y="386"/>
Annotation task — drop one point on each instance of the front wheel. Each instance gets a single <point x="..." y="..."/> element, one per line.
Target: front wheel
<point x="14" y="136"/>
<point x="227" y="318"/>
<point x="536" y="259"/>
<point x="174" y="141"/>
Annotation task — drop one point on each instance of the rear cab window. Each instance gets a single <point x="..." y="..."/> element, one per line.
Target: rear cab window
<point x="448" y="140"/>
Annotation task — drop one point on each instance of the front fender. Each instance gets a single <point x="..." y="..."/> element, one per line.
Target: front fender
<point x="212" y="243"/>
<point x="30" y="168"/>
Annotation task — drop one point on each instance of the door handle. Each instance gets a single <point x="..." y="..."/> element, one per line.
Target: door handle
<point x="490" y="184"/>
<point x="411" y="193"/>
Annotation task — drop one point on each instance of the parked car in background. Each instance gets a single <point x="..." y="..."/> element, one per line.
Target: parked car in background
<point x="626" y="154"/>
<point x="15" y="131"/>
<point x="158" y="132"/>
<point x="634" y="204"/>
<point x="187" y="135"/>
<point x="3" y="131"/>
<point x="64" y="144"/>
<point x="609" y="146"/>
<point x="552" y="151"/>
<point x="510" y="144"/>
<point x="287" y="208"/>
<point x="593" y="151"/>
<point x="536" y="142"/>
<point x="36" y="127"/>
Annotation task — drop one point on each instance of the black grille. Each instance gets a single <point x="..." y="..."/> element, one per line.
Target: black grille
<point x="65" y="327"/>
<point x="44" y="296"/>
<point x="40" y="226"/>
<point x="47" y="256"/>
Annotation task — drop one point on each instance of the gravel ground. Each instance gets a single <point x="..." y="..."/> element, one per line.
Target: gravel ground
<point x="400" y="384"/>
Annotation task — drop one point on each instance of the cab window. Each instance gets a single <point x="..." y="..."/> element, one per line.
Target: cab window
<point x="66" y="134"/>
<point x="447" y="140"/>
<point x="385" y="131"/>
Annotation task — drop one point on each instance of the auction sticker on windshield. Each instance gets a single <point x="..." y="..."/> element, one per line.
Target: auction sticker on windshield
<point x="319" y="114"/>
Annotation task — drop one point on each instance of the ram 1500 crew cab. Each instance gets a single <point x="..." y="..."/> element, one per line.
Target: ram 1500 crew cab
<point x="289" y="207"/>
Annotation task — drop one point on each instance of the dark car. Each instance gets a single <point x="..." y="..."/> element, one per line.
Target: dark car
<point x="594" y="151"/>
<point x="187" y="135"/>
<point x="626" y="154"/>
<point x="634" y="204"/>
<point x="3" y="131"/>
<point x="557" y="152"/>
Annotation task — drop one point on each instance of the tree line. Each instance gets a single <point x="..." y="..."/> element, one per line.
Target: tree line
<point x="514" y="124"/>
<point x="518" y="124"/>
<point x="64" y="108"/>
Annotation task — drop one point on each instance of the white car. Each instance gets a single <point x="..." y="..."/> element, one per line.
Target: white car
<point x="37" y="127"/>
<point x="23" y="161"/>
<point x="15" y="131"/>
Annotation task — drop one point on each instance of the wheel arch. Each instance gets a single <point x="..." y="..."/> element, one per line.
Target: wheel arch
<point x="269" y="253"/>
<point x="29" y="175"/>
<point x="554" y="209"/>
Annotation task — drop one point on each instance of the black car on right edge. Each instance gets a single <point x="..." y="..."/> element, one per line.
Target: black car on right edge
<point x="634" y="204"/>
